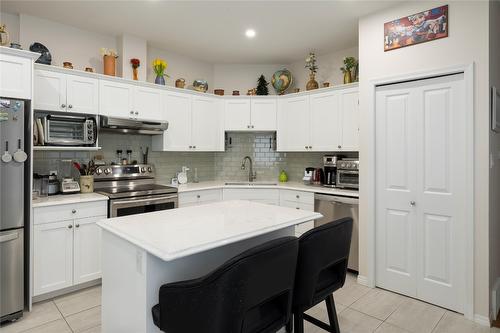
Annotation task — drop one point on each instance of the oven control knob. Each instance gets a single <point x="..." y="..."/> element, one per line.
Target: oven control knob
<point x="107" y="171"/>
<point x="143" y="170"/>
<point x="98" y="172"/>
<point x="150" y="169"/>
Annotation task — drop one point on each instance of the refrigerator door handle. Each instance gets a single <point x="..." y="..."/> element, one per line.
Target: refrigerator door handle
<point x="9" y="237"/>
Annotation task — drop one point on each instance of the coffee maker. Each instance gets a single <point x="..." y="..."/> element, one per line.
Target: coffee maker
<point x="330" y="170"/>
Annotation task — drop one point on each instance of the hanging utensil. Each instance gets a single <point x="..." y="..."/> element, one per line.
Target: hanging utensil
<point x="6" y="157"/>
<point x="20" y="156"/>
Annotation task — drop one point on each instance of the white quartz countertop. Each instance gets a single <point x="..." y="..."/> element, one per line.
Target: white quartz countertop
<point x="64" y="199"/>
<point x="284" y="186"/>
<point x="175" y="233"/>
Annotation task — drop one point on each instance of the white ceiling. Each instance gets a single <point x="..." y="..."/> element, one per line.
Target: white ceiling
<point x="214" y="31"/>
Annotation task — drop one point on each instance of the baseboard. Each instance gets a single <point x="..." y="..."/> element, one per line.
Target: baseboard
<point x="64" y="291"/>
<point x="495" y="299"/>
<point x="482" y="320"/>
<point x="363" y="280"/>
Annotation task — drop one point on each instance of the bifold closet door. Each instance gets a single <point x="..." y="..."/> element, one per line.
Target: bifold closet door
<point x="420" y="189"/>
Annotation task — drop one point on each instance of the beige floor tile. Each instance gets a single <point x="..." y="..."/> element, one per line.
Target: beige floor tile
<point x="350" y="293"/>
<point x="79" y="301"/>
<point x="97" y="329"/>
<point x="378" y="303"/>
<point x="57" y="326"/>
<point x="456" y="323"/>
<point x="388" y="328"/>
<point x="494" y="330"/>
<point x="319" y="311"/>
<point x="85" y="320"/>
<point x="352" y="321"/>
<point x="41" y="313"/>
<point x="416" y="316"/>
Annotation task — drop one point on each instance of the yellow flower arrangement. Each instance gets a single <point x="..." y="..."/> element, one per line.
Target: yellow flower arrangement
<point x="159" y="67"/>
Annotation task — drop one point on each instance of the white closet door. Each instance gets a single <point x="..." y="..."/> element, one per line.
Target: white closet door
<point x="420" y="170"/>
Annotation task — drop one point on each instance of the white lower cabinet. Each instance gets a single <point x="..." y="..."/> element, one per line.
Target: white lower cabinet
<point x="196" y="198"/>
<point x="66" y="252"/>
<point x="262" y="195"/>
<point x="298" y="200"/>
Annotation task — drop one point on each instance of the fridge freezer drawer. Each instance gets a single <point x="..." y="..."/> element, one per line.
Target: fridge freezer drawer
<point x="11" y="273"/>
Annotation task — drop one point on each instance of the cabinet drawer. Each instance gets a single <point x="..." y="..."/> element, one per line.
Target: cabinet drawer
<point x="68" y="212"/>
<point x="267" y="195"/>
<point x="297" y="196"/>
<point x="199" y="197"/>
<point x="297" y="205"/>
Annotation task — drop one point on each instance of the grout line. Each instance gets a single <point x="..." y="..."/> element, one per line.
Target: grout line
<point x="64" y="318"/>
<point x="435" y="326"/>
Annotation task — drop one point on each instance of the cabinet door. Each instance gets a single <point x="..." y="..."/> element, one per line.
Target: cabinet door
<point x="147" y="104"/>
<point x="116" y="99"/>
<point x="206" y="131"/>
<point x="237" y="114"/>
<point x="82" y="94"/>
<point x="15" y="80"/>
<point x="50" y="91"/>
<point x="53" y="256"/>
<point x="293" y="124"/>
<point x="87" y="249"/>
<point x="264" y="113"/>
<point x="177" y="110"/>
<point x="325" y="120"/>
<point x="350" y="120"/>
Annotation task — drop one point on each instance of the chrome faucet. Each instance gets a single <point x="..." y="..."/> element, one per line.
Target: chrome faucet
<point x="251" y="174"/>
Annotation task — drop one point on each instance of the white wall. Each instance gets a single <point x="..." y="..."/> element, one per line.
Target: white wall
<point x="467" y="43"/>
<point x="180" y="66"/>
<point x="130" y="47"/>
<point x="242" y="77"/>
<point x="66" y="43"/>
<point x="495" y="152"/>
<point x="11" y="22"/>
<point x="329" y="68"/>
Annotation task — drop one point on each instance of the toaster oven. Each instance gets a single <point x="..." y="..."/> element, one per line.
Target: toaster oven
<point x="62" y="130"/>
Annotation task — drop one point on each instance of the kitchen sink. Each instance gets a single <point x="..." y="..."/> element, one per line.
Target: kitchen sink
<point x="250" y="184"/>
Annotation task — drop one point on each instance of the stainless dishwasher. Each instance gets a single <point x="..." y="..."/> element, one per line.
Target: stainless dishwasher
<point x="334" y="207"/>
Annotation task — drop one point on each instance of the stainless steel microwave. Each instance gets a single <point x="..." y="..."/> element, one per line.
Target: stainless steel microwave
<point x="62" y="130"/>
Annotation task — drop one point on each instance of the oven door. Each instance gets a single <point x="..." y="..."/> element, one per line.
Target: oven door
<point x="140" y="205"/>
<point x="348" y="178"/>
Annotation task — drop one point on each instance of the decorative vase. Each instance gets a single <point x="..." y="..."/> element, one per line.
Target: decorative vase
<point x="312" y="84"/>
<point x="86" y="184"/>
<point x="109" y="65"/>
<point x="135" y="72"/>
<point x="160" y="79"/>
<point x="347" y="77"/>
<point x="283" y="177"/>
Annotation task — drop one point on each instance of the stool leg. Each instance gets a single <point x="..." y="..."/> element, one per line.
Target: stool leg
<point x="289" y="325"/>
<point x="298" y="322"/>
<point x="332" y="314"/>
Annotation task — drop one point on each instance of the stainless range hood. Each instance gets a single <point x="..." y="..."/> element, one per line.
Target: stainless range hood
<point x="117" y="125"/>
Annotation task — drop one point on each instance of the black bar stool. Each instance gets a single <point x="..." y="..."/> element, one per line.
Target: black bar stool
<point x="321" y="270"/>
<point x="251" y="293"/>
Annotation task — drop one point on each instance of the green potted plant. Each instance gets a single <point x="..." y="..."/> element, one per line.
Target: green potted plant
<point x="349" y="64"/>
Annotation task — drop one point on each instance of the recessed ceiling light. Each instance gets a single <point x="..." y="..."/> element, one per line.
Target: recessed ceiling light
<point x="250" y="33"/>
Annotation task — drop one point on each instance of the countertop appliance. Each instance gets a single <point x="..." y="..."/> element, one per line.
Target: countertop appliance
<point x="129" y="126"/>
<point x="348" y="173"/>
<point x="62" y="130"/>
<point x="12" y="198"/>
<point x="132" y="189"/>
<point x="69" y="186"/>
<point x="336" y="207"/>
<point x="330" y="170"/>
<point x="53" y="185"/>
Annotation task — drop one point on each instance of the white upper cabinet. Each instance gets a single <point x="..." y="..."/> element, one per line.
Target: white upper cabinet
<point x="325" y="118"/>
<point x="55" y="91"/>
<point x="250" y="114"/>
<point x="206" y="132"/>
<point x="147" y="104"/>
<point x="319" y="121"/>
<point x="116" y="99"/>
<point x="194" y="123"/>
<point x="15" y="73"/>
<point x="293" y="124"/>
<point x="349" y="106"/>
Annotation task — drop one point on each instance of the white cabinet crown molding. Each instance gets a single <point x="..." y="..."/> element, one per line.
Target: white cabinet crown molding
<point x="19" y="53"/>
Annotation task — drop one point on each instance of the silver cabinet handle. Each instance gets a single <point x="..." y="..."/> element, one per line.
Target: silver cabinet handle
<point x="248" y="126"/>
<point x="70" y="226"/>
<point x="412" y="203"/>
<point x="310" y="147"/>
<point x="194" y="147"/>
<point x="253" y="126"/>
<point x="305" y="147"/>
<point x="77" y="225"/>
<point x="297" y="208"/>
<point x="131" y="112"/>
<point x="198" y="196"/>
<point x="63" y="106"/>
<point x="73" y="211"/>
<point x="136" y="113"/>
<point x="70" y="106"/>
<point x="339" y="146"/>
<point x="190" y="147"/>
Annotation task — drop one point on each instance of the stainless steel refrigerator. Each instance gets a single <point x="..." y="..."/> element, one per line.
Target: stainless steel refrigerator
<point x="12" y="198"/>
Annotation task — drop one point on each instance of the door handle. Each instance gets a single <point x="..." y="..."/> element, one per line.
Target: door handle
<point x="9" y="237"/>
<point x="412" y="203"/>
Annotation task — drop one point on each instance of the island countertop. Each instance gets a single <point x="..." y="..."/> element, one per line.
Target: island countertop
<point x="175" y="233"/>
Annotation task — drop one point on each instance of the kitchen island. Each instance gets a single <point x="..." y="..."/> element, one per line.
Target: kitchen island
<point x="142" y="252"/>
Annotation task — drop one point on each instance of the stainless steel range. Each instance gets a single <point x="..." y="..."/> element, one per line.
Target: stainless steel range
<point x="132" y="189"/>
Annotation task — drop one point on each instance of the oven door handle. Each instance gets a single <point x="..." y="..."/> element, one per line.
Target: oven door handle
<point x="148" y="200"/>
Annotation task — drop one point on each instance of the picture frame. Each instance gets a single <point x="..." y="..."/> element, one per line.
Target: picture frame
<point x="417" y="28"/>
<point x="495" y="109"/>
